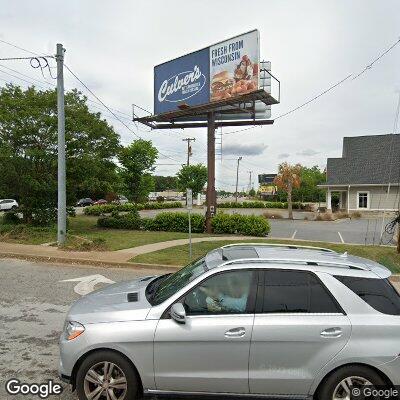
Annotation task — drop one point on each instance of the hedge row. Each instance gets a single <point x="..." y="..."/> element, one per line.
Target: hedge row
<point x="261" y="204"/>
<point x="109" y="208"/>
<point x="249" y="225"/>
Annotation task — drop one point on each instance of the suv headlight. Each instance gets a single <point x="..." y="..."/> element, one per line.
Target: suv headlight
<point x="73" y="330"/>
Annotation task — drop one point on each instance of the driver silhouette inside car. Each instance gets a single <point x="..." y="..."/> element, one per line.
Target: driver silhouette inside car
<point x="230" y="297"/>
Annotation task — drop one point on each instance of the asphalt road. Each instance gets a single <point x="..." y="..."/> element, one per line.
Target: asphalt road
<point x="33" y="304"/>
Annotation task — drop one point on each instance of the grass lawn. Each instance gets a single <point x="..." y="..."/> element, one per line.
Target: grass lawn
<point x="85" y="226"/>
<point x="179" y="255"/>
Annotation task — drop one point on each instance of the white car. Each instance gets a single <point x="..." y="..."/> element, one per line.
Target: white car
<point x="8" y="204"/>
<point x="121" y="200"/>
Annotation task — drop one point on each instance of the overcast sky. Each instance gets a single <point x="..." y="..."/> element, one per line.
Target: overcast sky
<point x="113" y="46"/>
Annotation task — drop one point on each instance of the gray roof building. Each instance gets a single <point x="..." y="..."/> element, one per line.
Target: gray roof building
<point x="367" y="175"/>
<point x="366" y="160"/>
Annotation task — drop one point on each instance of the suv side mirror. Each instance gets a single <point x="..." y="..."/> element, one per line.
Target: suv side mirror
<point x="178" y="313"/>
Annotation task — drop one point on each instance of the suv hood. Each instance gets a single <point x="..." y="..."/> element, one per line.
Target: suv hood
<point x="111" y="303"/>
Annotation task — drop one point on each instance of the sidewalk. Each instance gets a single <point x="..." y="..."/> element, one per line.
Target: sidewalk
<point x="112" y="258"/>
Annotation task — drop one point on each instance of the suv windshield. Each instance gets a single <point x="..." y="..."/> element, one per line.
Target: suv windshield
<point x="163" y="288"/>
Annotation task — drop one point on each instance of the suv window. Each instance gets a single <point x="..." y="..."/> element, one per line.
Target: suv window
<point x="378" y="293"/>
<point x="224" y="293"/>
<point x="288" y="291"/>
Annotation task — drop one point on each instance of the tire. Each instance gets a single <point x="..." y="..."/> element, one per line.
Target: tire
<point x="13" y="208"/>
<point x="92" y="368"/>
<point x="330" y="386"/>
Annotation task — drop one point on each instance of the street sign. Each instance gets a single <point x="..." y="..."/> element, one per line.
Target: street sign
<point x="189" y="199"/>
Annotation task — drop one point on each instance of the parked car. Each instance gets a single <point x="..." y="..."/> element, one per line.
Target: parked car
<point x="85" y="202"/>
<point x="121" y="200"/>
<point x="8" y="204"/>
<point x="100" y="202"/>
<point x="249" y="319"/>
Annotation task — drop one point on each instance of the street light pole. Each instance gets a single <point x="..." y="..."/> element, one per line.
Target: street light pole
<point x="62" y="203"/>
<point x="237" y="177"/>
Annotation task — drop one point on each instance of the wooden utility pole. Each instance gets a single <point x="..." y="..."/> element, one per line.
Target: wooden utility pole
<point x="211" y="198"/>
<point x="189" y="148"/>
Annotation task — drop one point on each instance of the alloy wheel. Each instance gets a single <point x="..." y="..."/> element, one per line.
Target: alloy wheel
<point x="105" y="380"/>
<point x="348" y="386"/>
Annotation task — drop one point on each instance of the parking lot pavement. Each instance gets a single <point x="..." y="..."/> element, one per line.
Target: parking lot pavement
<point x="341" y="231"/>
<point x="33" y="303"/>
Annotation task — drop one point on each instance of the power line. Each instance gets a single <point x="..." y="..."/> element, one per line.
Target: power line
<point x="368" y="67"/>
<point x="109" y="110"/>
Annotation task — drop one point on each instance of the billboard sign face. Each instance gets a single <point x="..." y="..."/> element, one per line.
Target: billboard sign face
<point x="222" y="71"/>
<point x="234" y="67"/>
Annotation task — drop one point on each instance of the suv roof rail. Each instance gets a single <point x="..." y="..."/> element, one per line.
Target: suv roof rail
<point x="284" y="245"/>
<point x="305" y="261"/>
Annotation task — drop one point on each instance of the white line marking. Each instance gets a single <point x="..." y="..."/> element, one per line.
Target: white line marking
<point x="87" y="283"/>
<point x="294" y="234"/>
<point x="341" y="237"/>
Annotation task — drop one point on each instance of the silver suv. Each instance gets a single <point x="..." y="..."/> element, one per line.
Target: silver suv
<point x="251" y="319"/>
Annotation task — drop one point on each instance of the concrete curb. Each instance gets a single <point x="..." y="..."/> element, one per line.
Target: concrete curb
<point x="90" y="263"/>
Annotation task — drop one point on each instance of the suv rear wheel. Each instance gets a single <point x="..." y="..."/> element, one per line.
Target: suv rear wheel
<point x="106" y="375"/>
<point x="340" y="384"/>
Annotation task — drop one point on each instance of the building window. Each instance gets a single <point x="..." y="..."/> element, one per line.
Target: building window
<point x="362" y="199"/>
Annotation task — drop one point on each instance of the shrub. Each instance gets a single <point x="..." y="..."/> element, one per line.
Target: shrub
<point x="356" y="215"/>
<point x="175" y="222"/>
<point x="130" y="220"/>
<point x="324" y="217"/>
<point x="71" y="212"/>
<point x="11" y="218"/>
<point x="109" y="208"/>
<point x="44" y="216"/>
<point x="261" y="204"/>
<point x="272" y="215"/>
<point x="249" y="225"/>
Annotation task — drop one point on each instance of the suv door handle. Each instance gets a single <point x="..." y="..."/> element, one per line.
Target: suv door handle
<point x="235" y="332"/>
<point x="332" y="333"/>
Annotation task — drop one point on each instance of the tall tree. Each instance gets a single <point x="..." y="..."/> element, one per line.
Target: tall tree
<point x="137" y="162"/>
<point x="28" y="148"/>
<point x="192" y="177"/>
<point x="288" y="178"/>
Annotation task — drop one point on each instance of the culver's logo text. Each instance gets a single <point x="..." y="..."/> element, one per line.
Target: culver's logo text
<point x="182" y="86"/>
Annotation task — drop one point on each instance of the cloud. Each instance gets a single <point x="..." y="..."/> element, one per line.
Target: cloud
<point x="243" y="149"/>
<point x="307" y="153"/>
<point x="284" y="155"/>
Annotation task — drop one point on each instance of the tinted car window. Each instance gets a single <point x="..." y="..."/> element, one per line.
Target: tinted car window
<point x="296" y="292"/>
<point x="378" y="293"/>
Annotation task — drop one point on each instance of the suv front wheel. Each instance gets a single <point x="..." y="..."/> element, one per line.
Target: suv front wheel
<point x="106" y="375"/>
<point x="348" y="381"/>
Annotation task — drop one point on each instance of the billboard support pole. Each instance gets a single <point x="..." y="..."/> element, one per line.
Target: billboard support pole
<point x="211" y="198"/>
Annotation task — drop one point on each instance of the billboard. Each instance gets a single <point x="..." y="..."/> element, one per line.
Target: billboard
<point x="225" y="70"/>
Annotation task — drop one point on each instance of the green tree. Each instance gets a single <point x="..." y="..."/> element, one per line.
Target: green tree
<point x="28" y="148"/>
<point x="137" y="162"/>
<point x="163" y="183"/>
<point x="192" y="177"/>
<point x="288" y="178"/>
<point x="252" y="192"/>
<point x="308" y="190"/>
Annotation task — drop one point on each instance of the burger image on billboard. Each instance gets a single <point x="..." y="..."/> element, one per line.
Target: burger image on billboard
<point x="221" y="86"/>
<point x="234" y="67"/>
